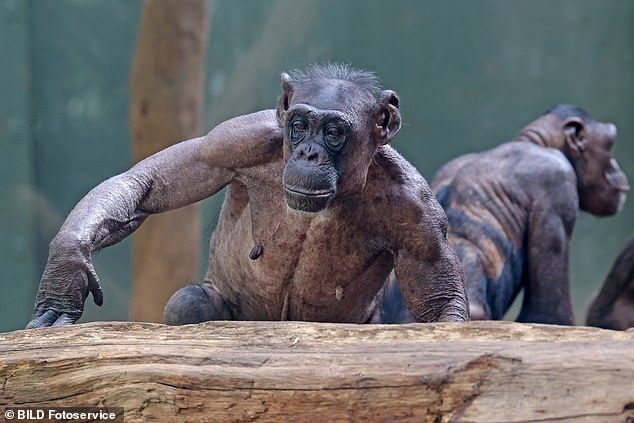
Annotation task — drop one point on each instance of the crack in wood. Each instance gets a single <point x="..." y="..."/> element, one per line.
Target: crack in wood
<point x="452" y="401"/>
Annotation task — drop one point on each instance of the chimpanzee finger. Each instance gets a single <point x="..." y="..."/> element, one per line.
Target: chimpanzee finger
<point x="94" y="286"/>
<point x="46" y="319"/>
<point x="64" y="319"/>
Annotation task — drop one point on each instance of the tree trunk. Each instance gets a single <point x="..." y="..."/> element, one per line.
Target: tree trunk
<point x="166" y="100"/>
<point x="291" y="371"/>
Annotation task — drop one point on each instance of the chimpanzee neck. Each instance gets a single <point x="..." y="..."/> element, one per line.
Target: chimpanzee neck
<point x="545" y="131"/>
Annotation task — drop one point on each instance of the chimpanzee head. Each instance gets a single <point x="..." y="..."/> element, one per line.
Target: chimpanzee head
<point x="588" y="143"/>
<point x="334" y="118"/>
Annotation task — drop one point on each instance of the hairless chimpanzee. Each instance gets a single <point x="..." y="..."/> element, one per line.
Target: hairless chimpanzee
<point x="613" y="306"/>
<point x="511" y="211"/>
<point x="318" y="211"/>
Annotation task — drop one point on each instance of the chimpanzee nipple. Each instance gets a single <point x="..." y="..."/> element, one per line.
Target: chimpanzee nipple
<point x="256" y="252"/>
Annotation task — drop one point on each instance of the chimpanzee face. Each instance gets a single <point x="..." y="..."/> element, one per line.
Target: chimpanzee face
<point x="316" y="140"/>
<point x="332" y="129"/>
<point x="601" y="184"/>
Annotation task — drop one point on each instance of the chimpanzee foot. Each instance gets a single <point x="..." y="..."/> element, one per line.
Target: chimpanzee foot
<point x="195" y="304"/>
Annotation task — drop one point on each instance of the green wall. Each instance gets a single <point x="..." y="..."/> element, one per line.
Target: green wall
<point x="469" y="75"/>
<point x="63" y="129"/>
<point x="18" y="267"/>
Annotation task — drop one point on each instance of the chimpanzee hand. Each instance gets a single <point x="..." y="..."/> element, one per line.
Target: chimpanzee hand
<point x="68" y="278"/>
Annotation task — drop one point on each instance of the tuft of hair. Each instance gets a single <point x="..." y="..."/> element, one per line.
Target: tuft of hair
<point x="567" y="111"/>
<point x="365" y="80"/>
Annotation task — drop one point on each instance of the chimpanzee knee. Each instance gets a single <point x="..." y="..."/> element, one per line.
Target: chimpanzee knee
<point x="195" y="304"/>
<point x="478" y="311"/>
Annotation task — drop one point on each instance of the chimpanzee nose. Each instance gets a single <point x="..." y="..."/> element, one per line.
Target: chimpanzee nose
<point x="310" y="152"/>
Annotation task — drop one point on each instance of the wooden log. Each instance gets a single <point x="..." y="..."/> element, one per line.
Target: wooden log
<point x="295" y="371"/>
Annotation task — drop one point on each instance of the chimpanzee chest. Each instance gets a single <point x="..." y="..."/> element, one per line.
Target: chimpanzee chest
<point x="303" y="267"/>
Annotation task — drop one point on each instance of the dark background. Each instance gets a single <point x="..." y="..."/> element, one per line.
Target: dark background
<point x="469" y="74"/>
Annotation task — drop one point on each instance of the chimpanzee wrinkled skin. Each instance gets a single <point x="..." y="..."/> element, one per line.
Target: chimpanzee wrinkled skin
<point x="318" y="211"/>
<point x="613" y="306"/>
<point x="511" y="212"/>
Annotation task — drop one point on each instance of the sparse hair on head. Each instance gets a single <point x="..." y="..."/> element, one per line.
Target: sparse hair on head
<point x="567" y="111"/>
<point x="363" y="79"/>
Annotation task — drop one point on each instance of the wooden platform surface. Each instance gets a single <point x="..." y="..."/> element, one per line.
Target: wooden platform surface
<point x="294" y="371"/>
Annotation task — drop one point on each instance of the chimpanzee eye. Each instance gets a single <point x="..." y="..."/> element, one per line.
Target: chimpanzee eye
<point x="334" y="137"/>
<point x="298" y="129"/>
<point x="299" y="126"/>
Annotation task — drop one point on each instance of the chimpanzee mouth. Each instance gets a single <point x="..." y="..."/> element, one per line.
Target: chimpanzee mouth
<point x="307" y="200"/>
<point x="309" y="193"/>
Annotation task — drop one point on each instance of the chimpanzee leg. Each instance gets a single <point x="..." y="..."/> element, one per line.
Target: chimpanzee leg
<point x="195" y="304"/>
<point x="479" y="308"/>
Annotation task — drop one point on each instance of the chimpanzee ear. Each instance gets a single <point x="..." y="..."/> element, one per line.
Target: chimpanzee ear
<point x="575" y="136"/>
<point x="388" y="121"/>
<point x="285" y="98"/>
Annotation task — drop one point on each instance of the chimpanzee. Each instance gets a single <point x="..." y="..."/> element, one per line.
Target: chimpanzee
<point x="613" y="307"/>
<point x="511" y="211"/>
<point x="318" y="211"/>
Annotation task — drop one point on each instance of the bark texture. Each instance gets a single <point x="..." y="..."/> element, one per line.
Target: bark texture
<point x="293" y="371"/>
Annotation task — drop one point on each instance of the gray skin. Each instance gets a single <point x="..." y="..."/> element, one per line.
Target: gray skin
<point x="613" y="306"/>
<point x="511" y="213"/>
<point x="316" y="215"/>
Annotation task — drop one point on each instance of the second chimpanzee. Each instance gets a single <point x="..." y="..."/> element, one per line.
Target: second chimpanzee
<point x="319" y="210"/>
<point x="512" y="209"/>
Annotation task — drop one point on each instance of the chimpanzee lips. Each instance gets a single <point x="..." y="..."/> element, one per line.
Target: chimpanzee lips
<point x="307" y="200"/>
<point x="307" y="192"/>
<point x="616" y="177"/>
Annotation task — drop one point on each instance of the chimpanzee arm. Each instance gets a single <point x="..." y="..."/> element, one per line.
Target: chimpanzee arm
<point x="427" y="268"/>
<point x="551" y="219"/>
<point x="547" y="284"/>
<point x="177" y="176"/>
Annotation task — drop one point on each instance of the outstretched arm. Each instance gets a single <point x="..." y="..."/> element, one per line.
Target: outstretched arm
<point x="175" y="177"/>
<point x="427" y="268"/>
